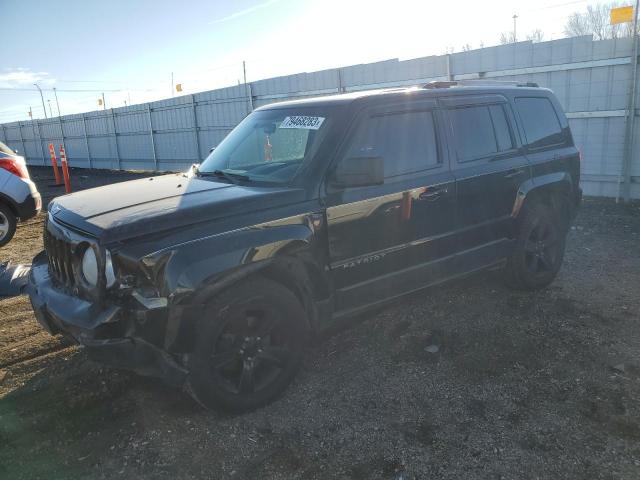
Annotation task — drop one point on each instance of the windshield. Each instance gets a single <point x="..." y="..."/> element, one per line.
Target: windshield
<point x="268" y="145"/>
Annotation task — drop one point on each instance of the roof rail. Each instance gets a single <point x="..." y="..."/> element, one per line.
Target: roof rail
<point x="477" y="82"/>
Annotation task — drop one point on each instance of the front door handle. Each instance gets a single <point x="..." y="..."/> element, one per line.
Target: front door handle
<point x="432" y="194"/>
<point x="515" y="173"/>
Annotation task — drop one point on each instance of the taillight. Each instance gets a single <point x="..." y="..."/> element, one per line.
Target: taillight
<point x="15" y="165"/>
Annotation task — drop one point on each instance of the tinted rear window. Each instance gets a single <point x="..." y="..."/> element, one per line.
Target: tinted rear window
<point x="405" y="140"/>
<point x="540" y="121"/>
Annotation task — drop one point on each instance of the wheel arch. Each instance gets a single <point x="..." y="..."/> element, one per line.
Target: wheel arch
<point x="190" y="279"/>
<point x="5" y="200"/>
<point x="553" y="190"/>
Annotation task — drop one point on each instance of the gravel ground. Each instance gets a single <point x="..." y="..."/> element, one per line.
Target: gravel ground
<point x="467" y="380"/>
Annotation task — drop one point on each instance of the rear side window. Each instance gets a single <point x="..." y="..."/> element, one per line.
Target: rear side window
<point x="405" y="140"/>
<point x="540" y="121"/>
<point x="480" y="131"/>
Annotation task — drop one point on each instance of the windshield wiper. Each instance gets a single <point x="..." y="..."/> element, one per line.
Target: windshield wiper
<point x="230" y="176"/>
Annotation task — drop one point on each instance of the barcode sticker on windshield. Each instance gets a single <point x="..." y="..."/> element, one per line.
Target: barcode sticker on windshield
<point x="302" y="121"/>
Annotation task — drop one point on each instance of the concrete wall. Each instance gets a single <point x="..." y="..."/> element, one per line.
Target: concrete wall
<point x="591" y="79"/>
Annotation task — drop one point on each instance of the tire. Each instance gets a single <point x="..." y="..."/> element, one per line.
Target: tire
<point x="249" y="346"/>
<point x="8" y="223"/>
<point x="539" y="249"/>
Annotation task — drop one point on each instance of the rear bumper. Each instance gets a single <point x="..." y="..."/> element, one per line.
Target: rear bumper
<point x="23" y="196"/>
<point x="108" y="332"/>
<point x="30" y="207"/>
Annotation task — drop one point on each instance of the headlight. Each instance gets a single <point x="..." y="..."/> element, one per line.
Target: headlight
<point x="90" y="268"/>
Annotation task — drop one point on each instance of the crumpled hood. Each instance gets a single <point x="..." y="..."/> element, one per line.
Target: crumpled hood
<point x="139" y="207"/>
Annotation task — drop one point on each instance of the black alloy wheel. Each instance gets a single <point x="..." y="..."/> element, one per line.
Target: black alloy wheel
<point x="249" y="346"/>
<point x="539" y="247"/>
<point x="542" y="248"/>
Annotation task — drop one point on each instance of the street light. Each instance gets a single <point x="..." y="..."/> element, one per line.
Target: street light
<point x="58" y="104"/>
<point x="42" y="98"/>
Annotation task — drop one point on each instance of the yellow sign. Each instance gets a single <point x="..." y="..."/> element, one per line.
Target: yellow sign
<point x="178" y="87"/>
<point x="621" y="15"/>
<point x="99" y="101"/>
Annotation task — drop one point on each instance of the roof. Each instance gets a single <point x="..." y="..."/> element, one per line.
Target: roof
<point x="430" y="89"/>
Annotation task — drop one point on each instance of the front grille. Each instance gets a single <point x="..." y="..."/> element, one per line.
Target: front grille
<point x="60" y="257"/>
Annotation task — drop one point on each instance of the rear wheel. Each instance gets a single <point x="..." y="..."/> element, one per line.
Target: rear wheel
<point x="7" y="224"/>
<point x="249" y="346"/>
<point x="539" y="249"/>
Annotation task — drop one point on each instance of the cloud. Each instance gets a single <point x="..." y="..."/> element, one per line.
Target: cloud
<point x="244" y="12"/>
<point x="14" y="77"/>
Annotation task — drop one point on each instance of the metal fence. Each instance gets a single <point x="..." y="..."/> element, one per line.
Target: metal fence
<point x="592" y="80"/>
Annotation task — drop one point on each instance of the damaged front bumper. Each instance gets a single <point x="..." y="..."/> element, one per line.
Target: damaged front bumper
<point x="112" y="334"/>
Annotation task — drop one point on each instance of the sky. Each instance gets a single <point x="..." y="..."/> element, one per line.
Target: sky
<point x="129" y="49"/>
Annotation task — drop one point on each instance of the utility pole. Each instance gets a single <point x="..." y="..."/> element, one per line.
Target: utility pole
<point x="631" y="114"/>
<point x="247" y="90"/>
<point x="50" y="111"/>
<point x="41" y="98"/>
<point x="30" y="113"/>
<point x="104" y="104"/>
<point x="515" y="17"/>
<point x="55" y="92"/>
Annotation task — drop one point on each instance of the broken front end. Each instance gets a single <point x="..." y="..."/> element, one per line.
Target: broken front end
<point x="120" y="319"/>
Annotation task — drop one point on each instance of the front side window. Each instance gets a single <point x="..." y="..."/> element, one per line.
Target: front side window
<point x="540" y="122"/>
<point x="269" y="145"/>
<point x="405" y="140"/>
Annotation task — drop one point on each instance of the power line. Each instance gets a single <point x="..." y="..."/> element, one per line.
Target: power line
<point x="59" y="90"/>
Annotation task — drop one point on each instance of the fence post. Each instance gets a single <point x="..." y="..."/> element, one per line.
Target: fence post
<point x="627" y="157"/>
<point x="115" y="137"/>
<point x="340" y="86"/>
<point x="86" y="140"/>
<point x="24" y="148"/>
<point x="153" y="142"/>
<point x="44" y="160"/>
<point x="33" y="132"/>
<point x="195" y="128"/>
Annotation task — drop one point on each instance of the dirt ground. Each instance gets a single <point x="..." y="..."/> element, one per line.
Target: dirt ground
<point x="522" y="385"/>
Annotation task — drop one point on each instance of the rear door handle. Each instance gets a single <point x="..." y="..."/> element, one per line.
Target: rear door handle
<point x="515" y="173"/>
<point x="434" y="193"/>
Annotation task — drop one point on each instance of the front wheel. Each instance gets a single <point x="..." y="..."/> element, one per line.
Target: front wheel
<point x="539" y="249"/>
<point x="249" y="346"/>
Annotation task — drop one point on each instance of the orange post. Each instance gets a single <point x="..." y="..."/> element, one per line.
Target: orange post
<point x="54" y="164"/>
<point x="65" y="170"/>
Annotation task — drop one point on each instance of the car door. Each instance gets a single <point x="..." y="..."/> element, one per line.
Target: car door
<point x="384" y="240"/>
<point x="489" y="166"/>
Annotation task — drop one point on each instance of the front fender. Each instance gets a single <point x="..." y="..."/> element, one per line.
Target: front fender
<point x="220" y="259"/>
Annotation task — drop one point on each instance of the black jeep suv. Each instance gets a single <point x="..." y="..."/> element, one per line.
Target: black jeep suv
<point x="308" y="211"/>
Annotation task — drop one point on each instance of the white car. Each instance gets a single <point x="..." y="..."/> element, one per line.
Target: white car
<point x="19" y="197"/>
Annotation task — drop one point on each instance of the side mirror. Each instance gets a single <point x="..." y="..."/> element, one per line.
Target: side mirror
<point x="359" y="172"/>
